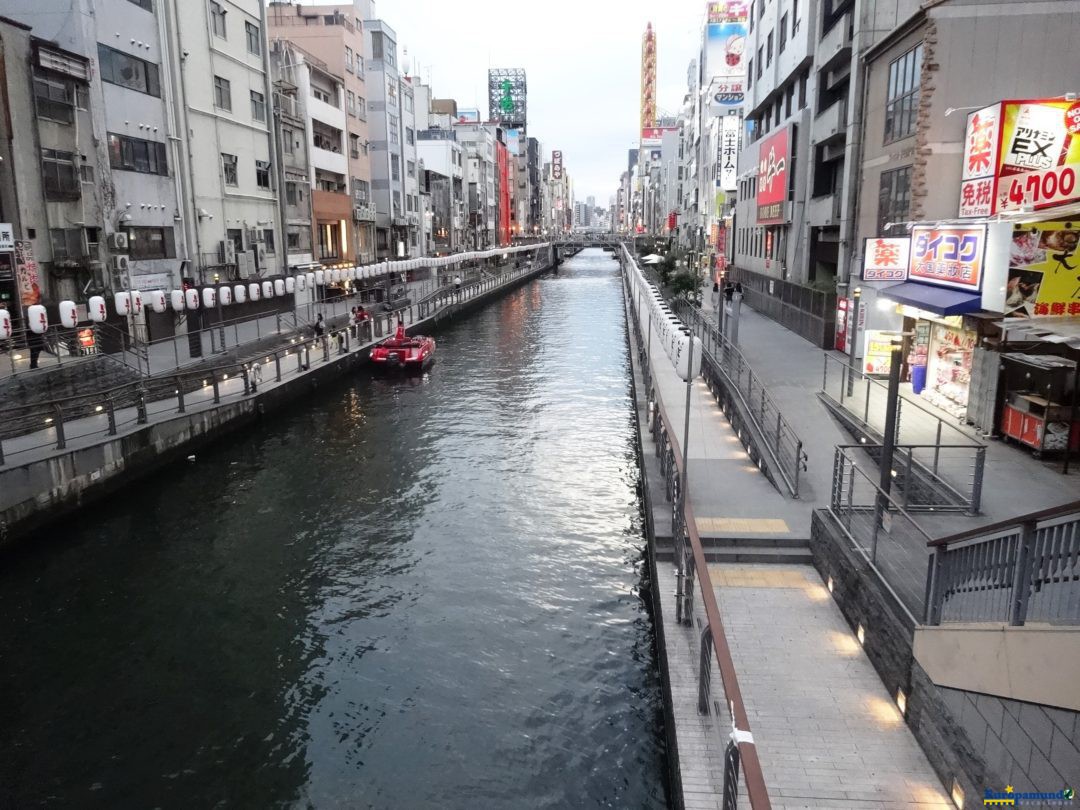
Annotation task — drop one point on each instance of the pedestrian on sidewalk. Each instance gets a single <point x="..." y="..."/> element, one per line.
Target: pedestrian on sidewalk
<point x="457" y="287"/>
<point x="354" y="324"/>
<point x="320" y="326"/>
<point x="35" y="343"/>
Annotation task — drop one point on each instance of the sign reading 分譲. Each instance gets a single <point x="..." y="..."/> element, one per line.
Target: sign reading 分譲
<point x="948" y="257"/>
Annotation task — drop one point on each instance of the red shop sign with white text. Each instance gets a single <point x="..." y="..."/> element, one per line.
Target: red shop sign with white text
<point x="772" y="182"/>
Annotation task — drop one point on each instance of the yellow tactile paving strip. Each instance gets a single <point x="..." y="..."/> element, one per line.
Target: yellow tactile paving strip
<point x="740" y="577"/>
<point x="748" y="525"/>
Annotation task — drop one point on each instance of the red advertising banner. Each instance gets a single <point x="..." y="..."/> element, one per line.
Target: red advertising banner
<point x="948" y="257"/>
<point x="772" y="179"/>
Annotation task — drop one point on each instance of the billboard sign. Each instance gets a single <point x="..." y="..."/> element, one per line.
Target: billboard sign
<point x="650" y="135"/>
<point x="468" y="115"/>
<point x="772" y="179"/>
<point x="725" y="39"/>
<point x="7" y="237"/>
<point x="727" y="153"/>
<point x="507" y="97"/>
<point x="26" y="273"/>
<point x="1020" y="155"/>
<point x="556" y="164"/>
<point x="948" y="257"/>
<point x="1042" y="271"/>
<point x="886" y="259"/>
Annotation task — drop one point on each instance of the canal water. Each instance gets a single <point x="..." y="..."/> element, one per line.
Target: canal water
<point x="419" y="593"/>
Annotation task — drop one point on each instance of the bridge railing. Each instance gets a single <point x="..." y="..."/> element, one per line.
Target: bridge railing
<point x="724" y="707"/>
<point x="1017" y="571"/>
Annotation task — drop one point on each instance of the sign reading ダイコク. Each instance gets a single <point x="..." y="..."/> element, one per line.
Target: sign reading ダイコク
<point x="948" y="257"/>
<point x="886" y="259"/>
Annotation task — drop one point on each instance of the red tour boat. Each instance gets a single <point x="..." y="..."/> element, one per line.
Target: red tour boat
<point x="404" y="353"/>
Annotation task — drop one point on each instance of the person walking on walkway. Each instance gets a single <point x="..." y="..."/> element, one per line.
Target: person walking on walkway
<point x="35" y="342"/>
<point x="320" y="326"/>
<point x="457" y="287"/>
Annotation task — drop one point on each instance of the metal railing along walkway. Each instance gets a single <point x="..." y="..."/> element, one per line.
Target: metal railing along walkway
<point x="945" y="456"/>
<point x="712" y="645"/>
<point x="721" y="358"/>
<point x="1016" y="571"/>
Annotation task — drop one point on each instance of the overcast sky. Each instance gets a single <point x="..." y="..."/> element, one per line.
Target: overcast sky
<point x="582" y="59"/>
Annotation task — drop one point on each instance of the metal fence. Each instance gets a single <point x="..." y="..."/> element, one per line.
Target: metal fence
<point x="1026" y="570"/>
<point x="880" y="530"/>
<point x="723" y="366"/>
<point x="724" y="707"/>
<point x="942" y="454"/>
<point x="807" y="312"/>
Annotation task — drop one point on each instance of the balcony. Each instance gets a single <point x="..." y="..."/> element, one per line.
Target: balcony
<point x="328" y="161"/>
<point x="287" y="105"/>
<point x="831" y="123"/>
<point x="836" y="44"/>
<point x="824" y="211"/>
<point x="331" y="205"/>
<point x="319" y="110"/>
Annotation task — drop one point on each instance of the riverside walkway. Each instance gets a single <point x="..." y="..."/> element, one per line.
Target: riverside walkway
<point x="826" y="732"/>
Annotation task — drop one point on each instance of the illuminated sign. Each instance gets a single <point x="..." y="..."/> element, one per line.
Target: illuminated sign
<point x="948" y="257"/>
<point x="886" y="259"/>
<point x="772" y="179"/>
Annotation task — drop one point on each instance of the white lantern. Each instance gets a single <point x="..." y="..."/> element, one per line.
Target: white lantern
<point x="279" y="287"/>
<point x="310" y="280"/>
<point x="68" y="316"/>
<point x="136" y="302"/>
<point x="320" y="278"/>
<point x="176" y="298"/>
<point x="240" y="293"/>
<point x="335" y="276"/>
<point x="122" y="303"/>
<point x="225" y="295"/>
<point x="157" y="301"/>
<point x="290" y="285"/>
<point x="267" y="289"/>
<point x="191" y="298"/>
<point x="37" y="319"/>
<point x="95" y="309"/>
<point x="253" y="291"/>
<point x="209" y="297"/>
<point x="6" y="329"/>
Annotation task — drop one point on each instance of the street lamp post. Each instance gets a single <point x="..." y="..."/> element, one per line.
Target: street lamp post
<point x="220" y="315"/>
<point x="888" y="443"/>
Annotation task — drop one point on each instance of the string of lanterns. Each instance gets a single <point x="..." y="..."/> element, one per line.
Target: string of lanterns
<point x="674" y="334"/>
<point x="133" y="302"/>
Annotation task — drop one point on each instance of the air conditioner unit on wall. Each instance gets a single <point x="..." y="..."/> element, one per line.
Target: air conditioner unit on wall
<point x="253" y="236"/>
<point x="227" y="252"/>
<point x="118" y="241"/>
<point x="119" y="263"/>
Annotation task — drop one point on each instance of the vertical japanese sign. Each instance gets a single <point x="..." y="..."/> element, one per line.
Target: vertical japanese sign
<point x="728" y="153"/>
<point x="948" y="257"/>
<point x="886" y="259"/>
<point x="7" y="237"/>
<point x="1044" y="271"/>
<point x="26" y="274"/>
<point x="556" y="164"/>
<point x="725" y="57"/>
<point x="980" y="162"/>
<point x="772" y="179"/>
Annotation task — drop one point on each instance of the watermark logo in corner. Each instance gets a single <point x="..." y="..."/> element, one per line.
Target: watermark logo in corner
<point x="1010" y="797"/>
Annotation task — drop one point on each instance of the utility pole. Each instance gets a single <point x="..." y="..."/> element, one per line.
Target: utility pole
<point x="852" y="338"/>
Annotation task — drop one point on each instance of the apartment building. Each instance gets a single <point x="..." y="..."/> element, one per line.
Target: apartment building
<point x="444" y="161"/>
<point x="478" y="145"/>
<point x="334" y="35"/>
<point x="410" y="160"/>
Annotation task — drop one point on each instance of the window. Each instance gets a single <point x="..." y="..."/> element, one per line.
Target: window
<point x="296" y="238"/>
<point x="768" y="49"/>
<point x="321" y="95"/>
<point x="217" y="19"/>
<point x="783" y="32"/>
<point x="903" y="99"/>
<point x="291" y="197"/>
<point x="760" y="61"/>
<point x="752" y="16"/>
<point x="268" y="240"/>
<point x="254" y="42"/>
<point x="222" y="94"/>
<point x="395" y="168"/>
<point x="350" y="102"/>
<point x="408" y="102"/>
<point x="329" y="240"/>
<point x="93" y="235"/>
<point x="136" y="155"/>
<point x="410" y="136"/>
<point x="127" y="71"/>
<point x="802" y="90"/>
<point x="151" y="243"/>
<point x="360" y="191"/>
<point x="354" y="145"/>
<point x="258" y="106"/>
<point x="67" y="243"/>
<point x="59" y="175"/>
<point x="395" y="136"/>
<point x="361" y="108"/>
<point x="86" y="173"/>
<point x="287" y="136"/>
<point x="794" y="17"/>
<point x="348" y="59"/>
<point x="359" y="64"/>
<point x="894" y="200"/>
<point x="410" y="168"/>
<point x="147" y="4"/>
<point x="750" y="74"/>
<point x="228" y="169"/>
<point x="54" y="99"/>
<point x="262" y="173"/>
